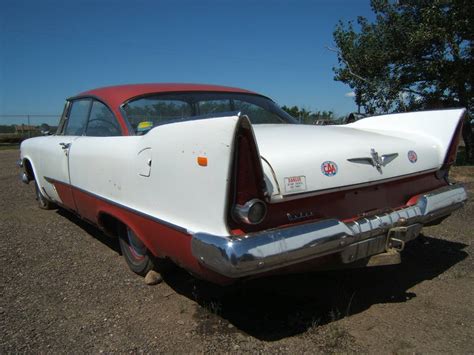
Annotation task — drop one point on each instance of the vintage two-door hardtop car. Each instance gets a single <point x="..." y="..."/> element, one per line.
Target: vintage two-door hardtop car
<point x="228" y="186"/>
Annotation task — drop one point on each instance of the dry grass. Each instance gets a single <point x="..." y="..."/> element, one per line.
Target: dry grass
<point x="463" y="174"/>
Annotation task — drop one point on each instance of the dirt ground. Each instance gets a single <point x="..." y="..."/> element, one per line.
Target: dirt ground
<point x="65" y="288"/>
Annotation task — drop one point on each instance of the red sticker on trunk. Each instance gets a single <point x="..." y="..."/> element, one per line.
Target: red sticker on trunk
<point x="329" y="168"/>
<point x="412" y="157"/>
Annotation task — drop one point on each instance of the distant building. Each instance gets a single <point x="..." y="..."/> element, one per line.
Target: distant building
<point x="324" y="122"/>
<point x="25" y="129"/>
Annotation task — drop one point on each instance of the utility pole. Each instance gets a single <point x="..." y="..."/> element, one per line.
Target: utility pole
<point x="29" y="126"/>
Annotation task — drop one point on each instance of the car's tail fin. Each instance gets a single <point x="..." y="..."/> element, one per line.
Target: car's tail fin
<point x="442" y="126"/>
<point x="247" y="189"/>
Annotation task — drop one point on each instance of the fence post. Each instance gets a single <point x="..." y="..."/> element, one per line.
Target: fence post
<point x="29" y="127"/>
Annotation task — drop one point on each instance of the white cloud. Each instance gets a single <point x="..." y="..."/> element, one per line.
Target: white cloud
<point x="350" y="94"/>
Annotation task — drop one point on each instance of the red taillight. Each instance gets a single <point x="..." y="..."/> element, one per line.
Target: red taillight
<point x="248" y="183"/>
<point x="453" y="147"/>
<point x="248" y="174"/>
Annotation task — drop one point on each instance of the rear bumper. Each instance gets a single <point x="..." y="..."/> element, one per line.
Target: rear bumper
<point x="260" y="252"/>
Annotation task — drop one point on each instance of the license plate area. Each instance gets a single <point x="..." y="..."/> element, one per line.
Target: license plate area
<point x="395" y="239"/>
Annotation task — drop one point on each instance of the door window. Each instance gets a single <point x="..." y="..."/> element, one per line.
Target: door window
<point x="76" y="122"/>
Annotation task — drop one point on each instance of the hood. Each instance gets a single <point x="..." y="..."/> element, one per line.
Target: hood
<point x="300" y="159"/>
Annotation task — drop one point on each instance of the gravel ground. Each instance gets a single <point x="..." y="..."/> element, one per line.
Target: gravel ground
<point x="65" y="288"/>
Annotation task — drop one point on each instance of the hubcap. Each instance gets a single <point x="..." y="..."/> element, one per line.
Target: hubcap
<point x="136" y="247"/>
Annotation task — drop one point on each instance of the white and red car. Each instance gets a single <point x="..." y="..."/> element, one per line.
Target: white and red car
<point x="227" y="185"/>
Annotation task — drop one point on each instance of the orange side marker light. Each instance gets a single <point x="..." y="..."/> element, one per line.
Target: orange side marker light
<point x="202" y="161"/>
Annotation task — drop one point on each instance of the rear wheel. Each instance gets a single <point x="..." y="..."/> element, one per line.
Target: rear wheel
<point x="43" y="202"/>
<point x="135" y="252"/>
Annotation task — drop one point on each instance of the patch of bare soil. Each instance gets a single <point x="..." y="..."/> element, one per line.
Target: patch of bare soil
<point x="65" y="288"/>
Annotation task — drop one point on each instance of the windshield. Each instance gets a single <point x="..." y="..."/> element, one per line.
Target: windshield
<point x="150" y="111"/>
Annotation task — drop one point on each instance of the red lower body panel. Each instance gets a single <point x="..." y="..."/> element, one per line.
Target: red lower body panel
<point x="65" y="194"/>
<point x="162" y="240"/>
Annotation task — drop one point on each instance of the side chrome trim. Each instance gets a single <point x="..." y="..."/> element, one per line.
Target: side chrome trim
<point x="271" y="249"/>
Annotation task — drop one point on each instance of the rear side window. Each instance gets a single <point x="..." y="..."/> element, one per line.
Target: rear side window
<point x="257" y="113"/>
<point x="77" y="119"/>
<point x="153" y="111"/>
<point x="214" y="106"/>
<point x="102" y="122"/>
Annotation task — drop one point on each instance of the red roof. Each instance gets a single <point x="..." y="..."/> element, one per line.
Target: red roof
<point x="116" y="95"/>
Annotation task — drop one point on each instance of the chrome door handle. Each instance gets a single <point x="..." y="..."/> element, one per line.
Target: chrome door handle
<point x="65" y="145"/>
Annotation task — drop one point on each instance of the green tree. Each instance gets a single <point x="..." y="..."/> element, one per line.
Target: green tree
<point x="302" y="115"/>
<point x="417" y="54"/>
<point x="322" y="115"/>
<point x="309" y="117"/>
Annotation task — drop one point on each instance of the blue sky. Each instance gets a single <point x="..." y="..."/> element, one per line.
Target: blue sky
<point x="50" y="50"/>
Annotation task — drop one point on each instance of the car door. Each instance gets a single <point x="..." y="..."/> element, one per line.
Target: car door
<point x="87" y="164"/>
<point x="55" y="154"/>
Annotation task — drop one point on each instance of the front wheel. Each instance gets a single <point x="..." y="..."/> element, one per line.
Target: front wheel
<point x="135" y="252"/>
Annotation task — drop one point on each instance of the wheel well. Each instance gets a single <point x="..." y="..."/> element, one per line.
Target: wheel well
<point x="29" y="169"/>
<point x="111" y="225"/>
<point x="114" y="227"/>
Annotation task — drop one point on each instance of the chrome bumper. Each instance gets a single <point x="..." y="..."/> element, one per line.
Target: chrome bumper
<point x="23" y="176"/>
<point x="260" y="252"/>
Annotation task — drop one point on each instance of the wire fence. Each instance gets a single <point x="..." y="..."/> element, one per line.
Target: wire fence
<point x="31" y="120"/>
<point x="14" y="128"/>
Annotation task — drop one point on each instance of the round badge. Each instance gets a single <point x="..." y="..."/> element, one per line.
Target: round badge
<point x="329" y="168"/>
<point x="412" y="157"/>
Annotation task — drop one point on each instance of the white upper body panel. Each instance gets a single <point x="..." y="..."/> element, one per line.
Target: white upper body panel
<point x="158" y="173"/>
<point x="178" y="190"/>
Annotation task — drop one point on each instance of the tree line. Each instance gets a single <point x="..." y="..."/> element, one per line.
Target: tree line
<point x="309" y="117"/>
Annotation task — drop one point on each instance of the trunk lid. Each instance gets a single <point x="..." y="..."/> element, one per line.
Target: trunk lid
<point x="302" y="159"/>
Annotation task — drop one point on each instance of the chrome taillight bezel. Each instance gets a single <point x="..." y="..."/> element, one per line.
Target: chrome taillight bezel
<point x="241" y="213"/>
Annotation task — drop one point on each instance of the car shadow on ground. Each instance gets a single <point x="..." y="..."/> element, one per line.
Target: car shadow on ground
<point x="93" y="231"/>
<point x="276" y="307"/>
<point x="281" y="306"/>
